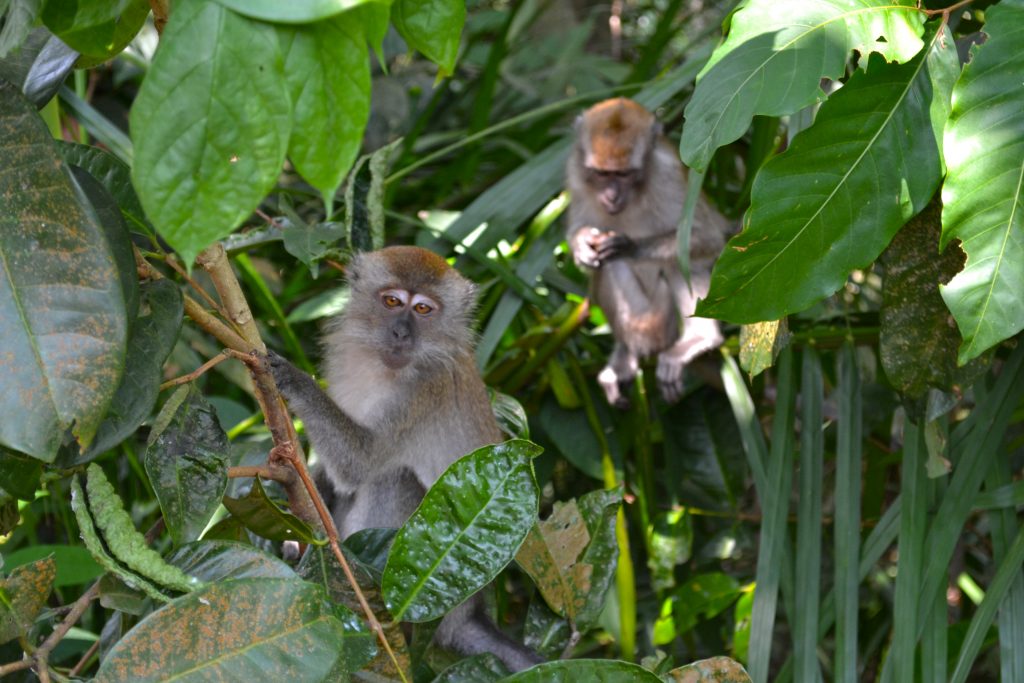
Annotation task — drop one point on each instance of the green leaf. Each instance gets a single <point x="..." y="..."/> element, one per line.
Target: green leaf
<point x="481" y="668"/>
<point x="219" y="560"/>
<point x="713" y="670"/>
<point x="702" y="597"/>
<point x="64" y="326"/>
<point x="599" y="510"/>
<point x="834" y="199"/>
<point x="153" y="337"/>
<point x="917" y="344"/>
<point x="545" y="632"/>
<point x="247" y="629"/>
<point x="432" y="27"/>
<point x="210" y="124"/>
<point x="111" y="172"/>
<point x="327" y="68"/>
<point x="772" y="62"/>
<point x="19" y="475"/>
<point x="75" y="564"/>
<point x="375" y="17"/>
<point x="186" y="461"/>
<point x="19" y="19"/>
<point x="467" y="528"/>
<point x="311" y="242"/>
<point x="551" y="555"/>
<point x="983" y="196"/>
<point x="511" y="417"/>
<point x="671" y="544"/>
<point x="371" y="546"/>
<point x="39" y="66"/>
<point x="590" y="670"/>
<point x="760" y="344"/>
<point x="23" y="595"/>
<point x="262" y="516"/>
<point x="294" y="11"/>
<point x="97" y="28"/>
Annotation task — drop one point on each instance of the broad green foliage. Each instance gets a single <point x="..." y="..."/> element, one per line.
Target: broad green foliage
<point x="210" y="125"/>
<point x="294" y="12"/>
<point x="774" y="58"/>
<point x="468" y="527"/>
<point x="63" y="323"/>
<point x="23" y="595"/>
<point x="596" y="670"/>
<point x="834" y="199"/>
<point x="432" y="27"/>
<point x="328" y="73"/>
<point x="97" y="28"/>
<point x="186" y="461"/>
<point x="263" y="516"/>
<point x="983" y="197"/>
<point x="247" y="629"/>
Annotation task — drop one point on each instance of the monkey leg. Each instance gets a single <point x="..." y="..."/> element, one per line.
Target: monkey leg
<point x="699" y="336"/>
<point x="468" y="630"/>
<point x="617" y="376"/>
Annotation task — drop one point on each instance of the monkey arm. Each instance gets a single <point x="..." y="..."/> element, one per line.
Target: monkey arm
<point x="335" y="436"/>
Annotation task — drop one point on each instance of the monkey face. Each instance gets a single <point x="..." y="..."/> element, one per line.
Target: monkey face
<point x="614" y="189"/>
<point x="405" y="314"/>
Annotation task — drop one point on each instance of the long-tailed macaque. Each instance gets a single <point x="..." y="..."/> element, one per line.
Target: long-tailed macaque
<point x="405" y="402"/>
<point x="628" y="190"/>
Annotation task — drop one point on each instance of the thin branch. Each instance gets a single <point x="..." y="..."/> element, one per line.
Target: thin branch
<point x="160" y="12"/>
<point x="282" y="475"/>
<point x="185" y="379"/>
<point x="85" y="658"/>
<point x="214" y="260"/>
<point x="196" y="287"/>
<point x="946" y="11"/>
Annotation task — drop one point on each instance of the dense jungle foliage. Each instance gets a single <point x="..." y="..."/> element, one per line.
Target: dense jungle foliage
<point x="836" y="498"/>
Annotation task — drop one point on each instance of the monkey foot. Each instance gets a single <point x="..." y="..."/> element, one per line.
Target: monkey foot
<point x="670" y="377"/>
<point x="616" y="389"/>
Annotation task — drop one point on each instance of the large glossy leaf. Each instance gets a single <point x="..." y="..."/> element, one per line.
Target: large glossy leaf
<point x="39" y="66"/>
<point x="263" y="516"/>
<point x="153" y="336"/>
<point x="591" y="670"/>
<point x="97" y="28"/>
<point x="242" y="630"/>
<point x="328" y="71"/>
<point x="835" y="198"/>
<point x="431" y="26"/>
<point x="19" y="475"/>
<point x="219" y="560"/>
<point x="983" y="196"/>
<point x="468" y="527"/>
<point x="23" y="595"/>
<point x="186" y="461"/>
<point x="210" y="125"/>
<point x="75" y="565"/>
<point x="294" y="11"/>
<point x="772" y="62"/>
<point x="63" y="324"/>
<point x="111" y="172"/>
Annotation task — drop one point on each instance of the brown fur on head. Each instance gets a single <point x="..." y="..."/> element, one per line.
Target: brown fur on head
<point x="616" y="134"/>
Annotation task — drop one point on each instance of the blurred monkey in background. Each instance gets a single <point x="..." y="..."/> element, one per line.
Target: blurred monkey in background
<point x="628" y="191"/>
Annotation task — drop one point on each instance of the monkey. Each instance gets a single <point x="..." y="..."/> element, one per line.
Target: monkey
<point x="627" y="193"/>
<point x="404" y="401"/>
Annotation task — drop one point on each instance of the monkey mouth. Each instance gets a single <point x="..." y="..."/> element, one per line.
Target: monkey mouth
<point x="613" y="207"/>
<point x="396" y="359"/>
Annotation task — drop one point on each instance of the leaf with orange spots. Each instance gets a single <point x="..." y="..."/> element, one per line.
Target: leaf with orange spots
<point x="23" y="594"/>
<point x="243" y="630"/>
<point x="63" y="324"/>
<point x="713" y="670"/>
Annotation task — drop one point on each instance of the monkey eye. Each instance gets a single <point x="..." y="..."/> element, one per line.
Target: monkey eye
<point x="391" y="301"/>
<point x="422" y="308"/>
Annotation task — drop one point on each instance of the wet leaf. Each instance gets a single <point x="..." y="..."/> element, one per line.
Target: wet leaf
<point x="599" y="509"/>
<point x="186" y="461"/>
<point x="23" y="595"/>
<point x="510" y="415"/>
<point x="545" y="632"/>
<point x="468" y="527"/>
<point x="63" y="325"/>
<point x="371" y="546"/>
<point x="550" y="556"/>
<point x="247" y="629"/>
<point x="431" y="26"/>
<point x="713" y="670"/>
<point x="262" y="516"/>
<point x="590" y="670"/>
<point x="220" y="560"/>
<point x="21" y="16"/>
<point x="75" y="565"/>
<point x="153" y="336"/>
<point x="327" y="67"/>
<point x="203" y="159"/>
<point x="482" y="668"/>
<point x="983" y="194"/>
<point x="111" y="172"/>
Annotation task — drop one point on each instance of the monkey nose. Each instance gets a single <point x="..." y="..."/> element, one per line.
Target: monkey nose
<point x="401" y="331"/>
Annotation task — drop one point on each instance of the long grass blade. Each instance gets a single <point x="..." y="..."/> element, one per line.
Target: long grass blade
<point x="1011" y="612"/>
<point x="808" y="520"/>
<point x="847" y="515"/>
<point x="774" y="507"/>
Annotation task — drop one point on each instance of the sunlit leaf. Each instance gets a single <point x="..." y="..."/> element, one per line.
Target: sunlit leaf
<point x="431" y="26"/>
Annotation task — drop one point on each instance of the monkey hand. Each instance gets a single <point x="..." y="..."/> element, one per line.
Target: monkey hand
<point x="289" y="379"/>
<point x="611" y="245"/>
